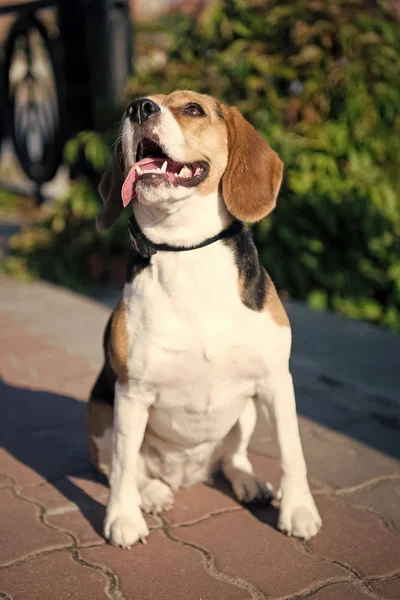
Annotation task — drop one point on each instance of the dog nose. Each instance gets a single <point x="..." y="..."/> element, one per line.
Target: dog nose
<point x="140" y="110"/>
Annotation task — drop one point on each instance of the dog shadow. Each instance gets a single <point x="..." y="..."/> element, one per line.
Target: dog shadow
<point x="46" y="432"/>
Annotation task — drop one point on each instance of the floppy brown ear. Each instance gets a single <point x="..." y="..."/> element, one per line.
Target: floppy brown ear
<point x="110" y="191"/>
<point x="253" y="175"/>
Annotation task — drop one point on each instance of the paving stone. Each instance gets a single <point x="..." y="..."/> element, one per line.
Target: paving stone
<point x="201" y="500"/>
<point x="43" y="435"/>
<point x="26" y="350"/>
<point x="46" y="456"/>
<point x="83" y="490"/>
<point x="10" y="328"/>
<point x="340" y="591"/>
<point x="346" y="349"/>
<point x="85" y="526"/>
<point x="326" y="404"/>
<point x="389" y="590"/>
<point x="256" y="552"/>
<point x="163" y="569"/>
<point x="266" y="469"/>
<point x="357" y="538"/>
<point x="53" y="577"/>
<point x="56" y="373"/>
<point x="197" y="502"/>
<point x="27" y="476"/>
<point x="58" y="314"/>
<point x="383" y="497"/>
<point x="340" y="461"/>
<point x="49" y="362"/>
<point x="25" y="410"/>
<point x="12" y="467"/>
<point x="28" y="359"/>
<point x="334" y="403"/>
<point x="385" y="438"/>
<point x="21" y="531"/>
<point x="5" y="482"/>
<point x="77" y="505"/>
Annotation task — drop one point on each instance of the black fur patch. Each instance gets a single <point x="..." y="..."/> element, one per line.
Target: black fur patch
<point x="103" y="389"/>
<point x="135" y="265"/>
<point x="252" y="275"/>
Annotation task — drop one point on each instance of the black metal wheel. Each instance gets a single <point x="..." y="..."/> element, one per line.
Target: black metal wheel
<point x="32" y="95"/>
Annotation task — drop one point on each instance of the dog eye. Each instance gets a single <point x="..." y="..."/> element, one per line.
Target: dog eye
<point x="194" y="110"/>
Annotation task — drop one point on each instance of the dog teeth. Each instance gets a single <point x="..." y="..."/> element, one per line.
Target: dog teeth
<point x="159" y="170"/>
<point x="185" y="172"/>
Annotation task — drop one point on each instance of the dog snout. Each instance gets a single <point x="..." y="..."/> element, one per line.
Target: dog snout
<point x="140" y="110"/>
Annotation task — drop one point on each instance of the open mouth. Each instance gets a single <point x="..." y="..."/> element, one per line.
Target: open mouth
<point x="154" y="167"/>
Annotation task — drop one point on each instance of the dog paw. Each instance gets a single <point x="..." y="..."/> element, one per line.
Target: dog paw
<point x="126" y="530"/>
<point x="299" y="515"/>
<point x="156" y="497"/>
<point x="248" y="489"/>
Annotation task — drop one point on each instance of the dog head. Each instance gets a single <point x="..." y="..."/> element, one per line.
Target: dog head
<point x="187" y="144"/>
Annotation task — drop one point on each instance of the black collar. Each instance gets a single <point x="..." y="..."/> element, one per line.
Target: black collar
<point x="146" y="248"/>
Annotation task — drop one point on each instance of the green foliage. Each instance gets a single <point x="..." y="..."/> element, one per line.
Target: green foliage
<point x="10" y="202"/>
<point x="92" y="146"/>
<point x="65" y="246"/>
<point x="321" y="82"/>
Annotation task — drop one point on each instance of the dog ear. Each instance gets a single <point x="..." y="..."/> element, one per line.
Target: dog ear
<point x="253" y="175"/>
<point x="110" y="191"/>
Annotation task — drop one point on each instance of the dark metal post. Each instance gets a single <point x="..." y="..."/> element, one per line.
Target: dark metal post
<point x="78" y="99"/>
<point x="109" y="48"/>
<point x="82" y="72"/>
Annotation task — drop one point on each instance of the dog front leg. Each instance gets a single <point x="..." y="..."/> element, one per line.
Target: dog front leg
<point x="124" y="523"/>
<point x="298" y="514"/>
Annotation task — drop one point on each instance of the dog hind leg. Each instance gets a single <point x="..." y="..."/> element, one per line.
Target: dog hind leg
<point x="99" y="423"/>
<point x="235" y="463"/>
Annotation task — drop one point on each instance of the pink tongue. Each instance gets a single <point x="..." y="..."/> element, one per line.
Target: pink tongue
<point x="146" y="164"/>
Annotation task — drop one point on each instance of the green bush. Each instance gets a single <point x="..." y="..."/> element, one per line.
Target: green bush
<point x="321" y="82"/>
<point x="65" y="247"/>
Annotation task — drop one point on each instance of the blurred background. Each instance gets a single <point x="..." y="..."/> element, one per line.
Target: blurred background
<point x="319" y="79"/>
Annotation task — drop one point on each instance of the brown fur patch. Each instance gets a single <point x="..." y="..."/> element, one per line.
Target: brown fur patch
<point x="205" y="136"/>
<point x="274" y="306"/>
<point x="99" y="418"/>
<point x="253" y="174"/>
<point x="118" y="346"/>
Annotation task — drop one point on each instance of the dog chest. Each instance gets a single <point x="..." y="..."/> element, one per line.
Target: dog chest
<point x="187" y="325"/>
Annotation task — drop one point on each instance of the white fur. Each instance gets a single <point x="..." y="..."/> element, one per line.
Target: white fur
<point x="198" y="359"/>
<point x="171" y="136"/>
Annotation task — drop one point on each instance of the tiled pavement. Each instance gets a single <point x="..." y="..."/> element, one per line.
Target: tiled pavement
<point x="208" y="547"/>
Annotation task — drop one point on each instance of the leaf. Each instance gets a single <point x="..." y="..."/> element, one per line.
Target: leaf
<point x="308" y="54"/>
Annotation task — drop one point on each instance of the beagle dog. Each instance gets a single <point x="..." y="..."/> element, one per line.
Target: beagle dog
<point x="200" y="342"/>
